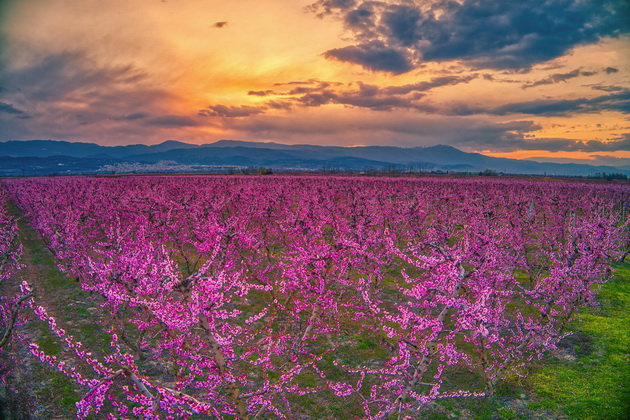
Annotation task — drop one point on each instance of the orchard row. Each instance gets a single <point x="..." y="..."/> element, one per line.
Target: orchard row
<point x="247" y="294"/>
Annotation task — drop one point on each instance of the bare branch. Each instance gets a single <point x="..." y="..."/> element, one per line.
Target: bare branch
<point x="13" y="318"/>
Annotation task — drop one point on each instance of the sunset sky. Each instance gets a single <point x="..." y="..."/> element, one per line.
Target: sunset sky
<point x="548" y="79"/>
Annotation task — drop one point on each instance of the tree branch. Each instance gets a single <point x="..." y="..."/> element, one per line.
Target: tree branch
<point x="13" y="318"/>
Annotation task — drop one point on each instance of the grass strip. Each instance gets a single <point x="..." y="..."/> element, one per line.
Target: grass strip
<point x="595" y="383"/>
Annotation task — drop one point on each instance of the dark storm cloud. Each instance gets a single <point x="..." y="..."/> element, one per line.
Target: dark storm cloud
<point x="559" y="77"/>
<point x="610" y="70"/>
<point x="373" y="55"/>
<point x="483" y="33"/>
<point x="172" y="121"/>
<point x="10" y="109"/>
<point x="231" y="111"/>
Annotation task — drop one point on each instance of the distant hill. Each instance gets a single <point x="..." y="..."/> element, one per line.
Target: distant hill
<point x="47" y="148"/>
<point x="42" y="157"/>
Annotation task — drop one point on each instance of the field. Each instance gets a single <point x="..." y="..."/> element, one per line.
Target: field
<point x="314" y="297"/>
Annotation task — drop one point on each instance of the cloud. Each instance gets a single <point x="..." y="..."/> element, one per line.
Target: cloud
<point x="553" y="107"/>
<point x="322" y="125"/>
<point x="260" y="92"/>
<point x="559" y="77"/>
<point x="408" y="128"/>
<point x="172" y="121"/>
<point x="431" y="84"/>
<point x="358" y="95"/>
<point x="328" y="7"/>
<point x="220" y="25"/>
<point x="282" y="105"/>
<point x="607" y="88"/>
<point x="610" y="70"/>
<point x="359" y="19"/>
<point x="598" y="146"/>
<point x="231" y="111"/>
<point x="388" y="98"/>
<point x="72" y="96"/>
<point x="66" y="74"/>
<point x="566" y="145"/>
<point x="132" y="117"/>
<point x="483" y="33"/>
<point x="366" y="96"/>
<point x="513" y="136"/>
<point x="297" y="82"/>
<point x="373" y="55"/>
<point x="10" y="109"/>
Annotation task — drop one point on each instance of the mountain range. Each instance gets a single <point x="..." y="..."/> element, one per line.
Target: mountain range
<point x="49" y="157"/>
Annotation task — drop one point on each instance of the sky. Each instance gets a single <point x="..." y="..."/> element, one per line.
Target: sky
<point x="542" y="79"/>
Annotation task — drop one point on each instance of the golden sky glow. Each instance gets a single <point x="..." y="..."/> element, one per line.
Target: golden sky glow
<point x="334" y="72"/>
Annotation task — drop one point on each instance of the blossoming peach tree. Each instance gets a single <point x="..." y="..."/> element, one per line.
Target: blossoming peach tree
<point x="237" y="296"/>
<point x="10" y="253"/>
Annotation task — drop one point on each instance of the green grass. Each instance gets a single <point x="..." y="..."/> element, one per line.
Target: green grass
<point x="40" y="255"/>
<point x="597" y="385"/>
<point x="47" y="341"/>
<point x="506" y="413"/>
<point x="64" y="299"/>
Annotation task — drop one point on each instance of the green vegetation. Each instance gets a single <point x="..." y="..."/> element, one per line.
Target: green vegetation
<point x="590" y="379"/>
<point x="39" y="256"/>
<point x="595" y="382"/>
<point x="611" y="176"/>
<point x="506" y="413"/>
<point x="489" y="172"/>
<point x="251" y="170"/>
<point x="56" y="394"/>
